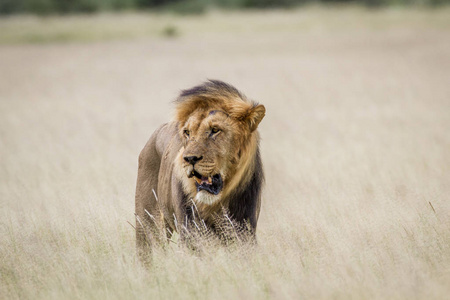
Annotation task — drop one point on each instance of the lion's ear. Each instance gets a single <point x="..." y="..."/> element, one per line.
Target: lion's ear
<point x="255" y="116"/>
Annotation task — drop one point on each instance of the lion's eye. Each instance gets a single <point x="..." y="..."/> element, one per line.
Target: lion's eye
<point x="186" y="132"/>
<point x="215" y="130"/>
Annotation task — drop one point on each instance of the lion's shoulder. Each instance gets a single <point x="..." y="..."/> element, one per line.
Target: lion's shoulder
<point x="161" y="141"/>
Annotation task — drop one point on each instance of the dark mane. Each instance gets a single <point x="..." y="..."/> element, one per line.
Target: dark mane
<point x="211" y="89"/>
<point x="244" y="203"/>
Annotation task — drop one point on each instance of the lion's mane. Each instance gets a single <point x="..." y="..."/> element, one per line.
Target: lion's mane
<point x="167" y="196"/>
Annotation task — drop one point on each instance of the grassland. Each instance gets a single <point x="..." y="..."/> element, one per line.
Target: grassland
<point x="28" y="29"/>
<point x="355" y="145"/>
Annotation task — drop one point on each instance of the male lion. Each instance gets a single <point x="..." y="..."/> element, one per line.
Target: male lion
<point x="203" y="164"/>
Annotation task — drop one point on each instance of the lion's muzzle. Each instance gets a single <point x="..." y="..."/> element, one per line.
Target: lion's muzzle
<point x="211" y="184"/>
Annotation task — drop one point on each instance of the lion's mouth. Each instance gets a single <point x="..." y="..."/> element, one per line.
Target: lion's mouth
<point x="212" y="184"/>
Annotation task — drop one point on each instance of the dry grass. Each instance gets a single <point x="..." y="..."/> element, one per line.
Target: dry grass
<point x="355" y="145"/>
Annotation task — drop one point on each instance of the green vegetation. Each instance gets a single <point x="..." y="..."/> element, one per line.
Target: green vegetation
<point x="170" y="31"/>
<point x="31" y="29"/>
<point x="178" y="6"/>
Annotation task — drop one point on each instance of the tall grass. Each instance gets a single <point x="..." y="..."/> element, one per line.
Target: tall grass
<point x="355" y="147"/>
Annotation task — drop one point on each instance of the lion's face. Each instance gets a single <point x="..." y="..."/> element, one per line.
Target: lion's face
<point x="212" y="142"/>
<point x="217" y="125"/>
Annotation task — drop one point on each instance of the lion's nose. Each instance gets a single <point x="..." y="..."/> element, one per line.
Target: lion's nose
<point x="192" y="159"/>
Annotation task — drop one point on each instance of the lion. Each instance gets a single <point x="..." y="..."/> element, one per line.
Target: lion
<point x="203" y="163"/>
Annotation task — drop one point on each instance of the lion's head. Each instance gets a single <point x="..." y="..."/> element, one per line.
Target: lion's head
<point x="210" y="154"/>
<point x="217" y="125"/>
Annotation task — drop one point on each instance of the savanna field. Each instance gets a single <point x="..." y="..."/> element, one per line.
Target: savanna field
<point x="355" y="145"/>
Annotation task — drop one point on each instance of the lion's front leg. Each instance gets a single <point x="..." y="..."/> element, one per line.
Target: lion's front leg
<point x="148" y="214"/>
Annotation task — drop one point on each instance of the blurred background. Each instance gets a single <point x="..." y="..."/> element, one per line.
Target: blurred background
<point x="355" y="144"/>
<point x="184" y="6"/>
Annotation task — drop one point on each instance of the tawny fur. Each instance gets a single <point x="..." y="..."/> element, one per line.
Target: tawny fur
<point x="217" y="123"/>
